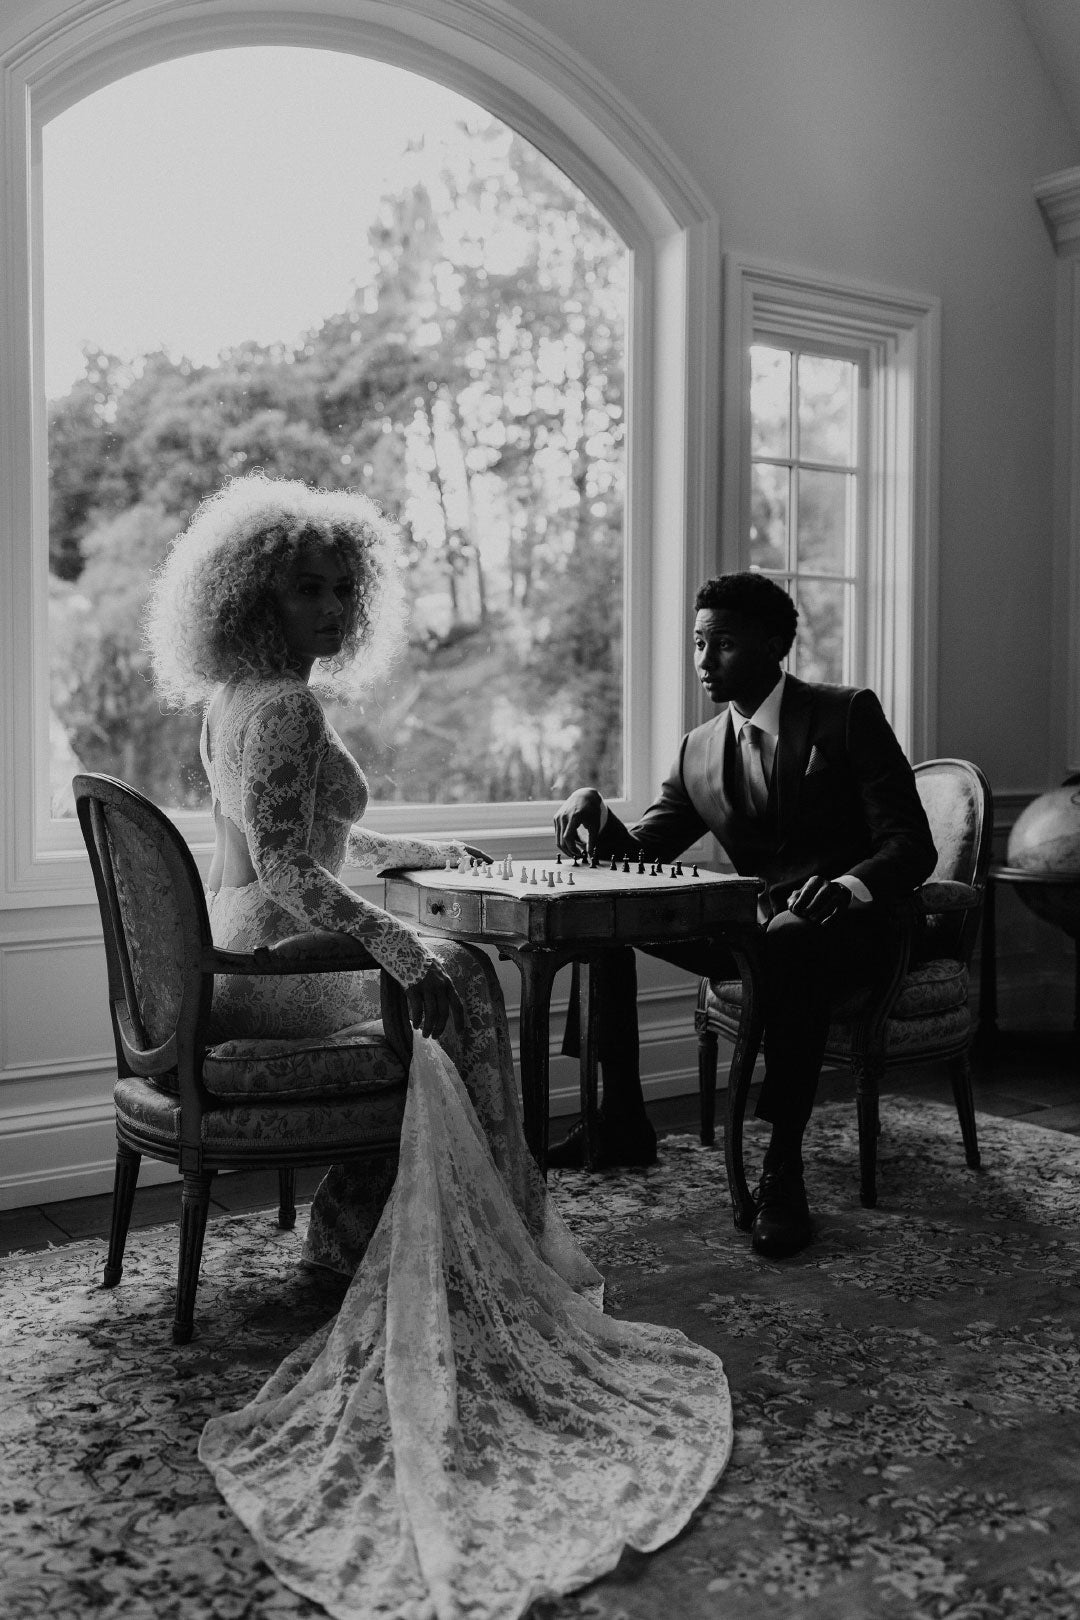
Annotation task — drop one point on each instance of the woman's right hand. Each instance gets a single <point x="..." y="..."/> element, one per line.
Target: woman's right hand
<point x="432" y="1000"/>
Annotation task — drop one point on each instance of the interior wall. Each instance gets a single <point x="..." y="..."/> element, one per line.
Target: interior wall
<point x="895" y="142"/>
<point x="898" y="143"/>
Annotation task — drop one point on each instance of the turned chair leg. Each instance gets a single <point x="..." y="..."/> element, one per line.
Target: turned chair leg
<point x="708" y="1047"/>
<point x="193" y="1211"/>
<point x="867" y="1078"/>
<point x="286" y="1215"/>
<point x="960" y="1075"/>
<point x="125" y="1181"/>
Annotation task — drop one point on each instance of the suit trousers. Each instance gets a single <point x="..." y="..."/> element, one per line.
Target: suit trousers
<point x="809" y="968"/>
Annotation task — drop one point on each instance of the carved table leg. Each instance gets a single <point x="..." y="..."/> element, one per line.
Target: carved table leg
<point x="537" y="969"/>
<point x="588" y="1008"/>
<point x="746" y="948"/>
<point x="988" y="1009"/>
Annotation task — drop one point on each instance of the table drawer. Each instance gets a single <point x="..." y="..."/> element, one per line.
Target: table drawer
<point x="445" y="908"/>
<point x="402" y="899"/>
<point x="671" y="916"/>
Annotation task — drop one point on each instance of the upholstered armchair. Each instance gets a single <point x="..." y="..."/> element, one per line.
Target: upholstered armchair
<point x="919" y="1012"/>
<point x="207" y="1106"/>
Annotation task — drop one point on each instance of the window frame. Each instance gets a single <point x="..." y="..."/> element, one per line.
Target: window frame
<point x="895" y="335"/>
<point x="564" y="108"/>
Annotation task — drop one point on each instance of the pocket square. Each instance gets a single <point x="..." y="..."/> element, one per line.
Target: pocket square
<point x="816" y="762"/>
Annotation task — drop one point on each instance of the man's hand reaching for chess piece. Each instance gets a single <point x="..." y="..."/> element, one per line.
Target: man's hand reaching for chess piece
<point x="583" y="812"/>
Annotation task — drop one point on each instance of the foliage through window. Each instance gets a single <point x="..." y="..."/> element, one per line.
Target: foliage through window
<point x="805" y="496"/>
<point x="472" y="380"/>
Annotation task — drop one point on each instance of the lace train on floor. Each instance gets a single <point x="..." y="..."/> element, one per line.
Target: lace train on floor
<point x="471" y="1432"/>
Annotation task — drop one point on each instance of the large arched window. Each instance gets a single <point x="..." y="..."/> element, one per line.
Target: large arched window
<point x="592" y="144"/>
<point x="355" y="277"/>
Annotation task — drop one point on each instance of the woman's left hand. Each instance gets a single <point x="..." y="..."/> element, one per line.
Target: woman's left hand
<point x="432" y="1001"/>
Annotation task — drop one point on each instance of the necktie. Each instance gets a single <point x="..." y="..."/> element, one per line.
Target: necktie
<point x="755" y="787"/>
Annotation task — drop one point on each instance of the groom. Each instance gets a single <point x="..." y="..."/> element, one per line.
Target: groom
<point x="806" y="787"/>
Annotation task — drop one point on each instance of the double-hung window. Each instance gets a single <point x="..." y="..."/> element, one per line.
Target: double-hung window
<point x="830" y="402"/>
<point x="808" y="485"/>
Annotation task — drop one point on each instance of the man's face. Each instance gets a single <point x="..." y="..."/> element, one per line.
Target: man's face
<point x="736" y="661"/>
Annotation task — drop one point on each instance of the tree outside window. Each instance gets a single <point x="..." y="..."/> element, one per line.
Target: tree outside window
<point x="473" y="383"/>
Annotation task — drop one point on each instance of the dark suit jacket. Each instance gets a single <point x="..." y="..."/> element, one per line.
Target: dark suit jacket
<point x="842" y="799"/>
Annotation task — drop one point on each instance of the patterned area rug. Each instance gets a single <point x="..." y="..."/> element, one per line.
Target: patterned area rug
<point x="907" y="1394"/>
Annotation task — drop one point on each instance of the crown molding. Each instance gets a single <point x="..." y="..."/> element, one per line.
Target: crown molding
<point x="1058" y="197"/>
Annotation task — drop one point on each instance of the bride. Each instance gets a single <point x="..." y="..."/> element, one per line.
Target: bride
<point x="471" y="1433"/>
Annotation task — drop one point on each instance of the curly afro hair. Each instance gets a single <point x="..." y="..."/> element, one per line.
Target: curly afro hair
<point x="756" y="597"/>
<point x="211" y="615"/>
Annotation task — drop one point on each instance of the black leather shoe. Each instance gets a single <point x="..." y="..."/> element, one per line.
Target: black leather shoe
<point x="620" y="1146"/>
<point x="782" y="1224"/>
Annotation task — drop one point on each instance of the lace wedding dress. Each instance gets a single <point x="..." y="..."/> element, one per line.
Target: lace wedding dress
<point x="471" y="1432"/>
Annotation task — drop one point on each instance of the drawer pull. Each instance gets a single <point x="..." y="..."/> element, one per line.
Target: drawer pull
<point x="437" y="907"/>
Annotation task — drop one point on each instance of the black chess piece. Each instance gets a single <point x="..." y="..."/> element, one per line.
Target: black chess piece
<point x="614" y="863"/>
<point x="695" y="872"/>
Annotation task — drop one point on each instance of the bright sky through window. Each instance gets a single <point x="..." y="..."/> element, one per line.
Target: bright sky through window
<point x="213" y="169"/>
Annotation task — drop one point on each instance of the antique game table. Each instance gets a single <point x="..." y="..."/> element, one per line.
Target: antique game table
<point x="542" y="914"/>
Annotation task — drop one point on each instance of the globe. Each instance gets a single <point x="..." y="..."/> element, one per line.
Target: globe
<point x="1045" y="841"/>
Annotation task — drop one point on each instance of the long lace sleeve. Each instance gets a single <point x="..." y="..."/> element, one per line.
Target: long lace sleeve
<point x="284" y="743"/>
<point x="382" y="851"/>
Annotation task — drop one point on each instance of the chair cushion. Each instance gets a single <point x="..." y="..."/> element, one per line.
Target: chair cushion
<point x="271" y="1130"/>
<point x="928" y="991"/>
<point x="943" y="894"/>
<point x="327" y="1066"/>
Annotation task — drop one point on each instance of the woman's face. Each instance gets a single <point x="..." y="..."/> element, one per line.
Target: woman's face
<point x="314" y="600"/>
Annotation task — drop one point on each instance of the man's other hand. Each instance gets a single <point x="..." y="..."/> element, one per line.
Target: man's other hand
<point x="819" y="900"/>
<point x="582" y="813"/>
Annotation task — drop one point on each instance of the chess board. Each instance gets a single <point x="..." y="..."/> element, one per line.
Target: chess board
<point x="545" y="902"/>
<point x="551" y="879"/>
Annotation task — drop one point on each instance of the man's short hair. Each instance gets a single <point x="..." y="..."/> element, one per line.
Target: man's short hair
<point x="756" y="597"/>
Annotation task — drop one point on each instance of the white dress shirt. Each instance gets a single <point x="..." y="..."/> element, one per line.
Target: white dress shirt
<point x="766" y="717"/>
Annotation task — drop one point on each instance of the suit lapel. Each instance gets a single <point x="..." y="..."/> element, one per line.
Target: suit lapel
<point x="717" y="777"/>
<point x="792" y="751"/>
